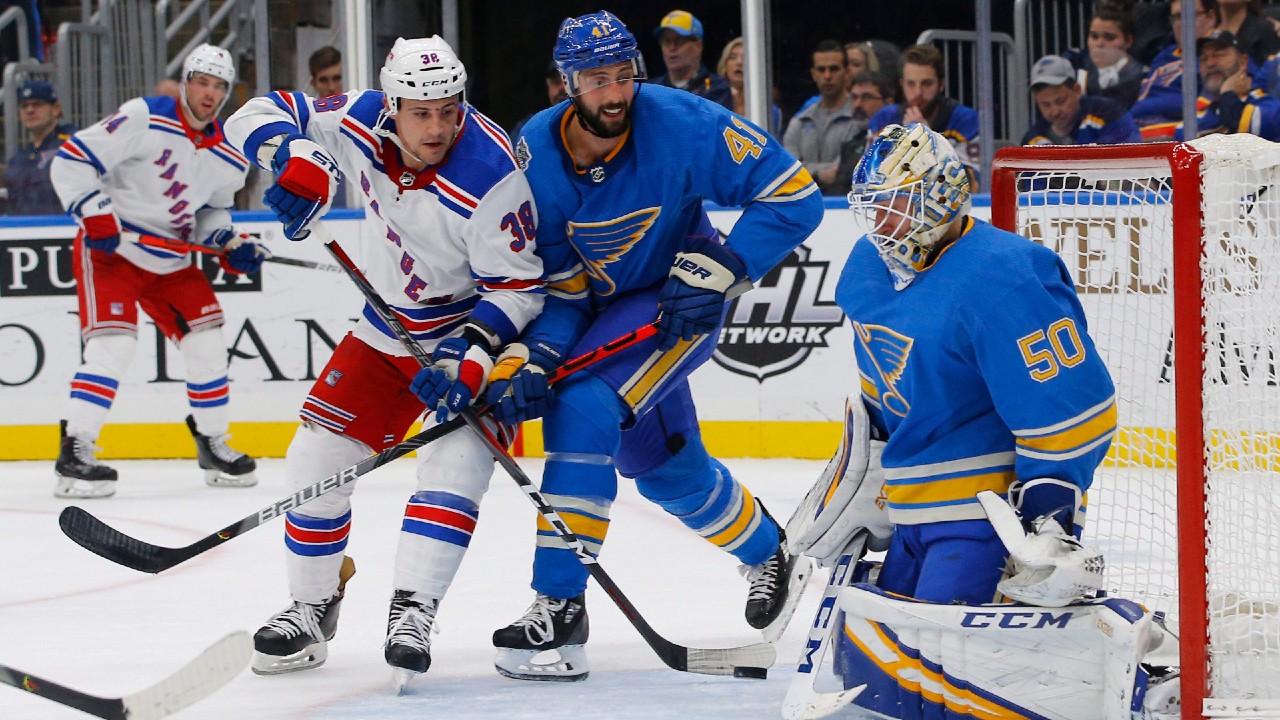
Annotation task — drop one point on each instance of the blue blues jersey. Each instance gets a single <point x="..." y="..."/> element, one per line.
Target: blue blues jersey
<point x="1100" y="121"/>
<point x="957" y="123"/>
<point x="981" y="372"/>
<point x="615" y="227"/>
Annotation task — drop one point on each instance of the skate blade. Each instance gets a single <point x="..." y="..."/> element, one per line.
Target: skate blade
<point x="77" y="489"/>
<point x="312" y="656"/>
<point x="217" y="478"/>
<point x="802" y="568"/>
<point x="567" y="663"/>
<point x="400" y="679"/>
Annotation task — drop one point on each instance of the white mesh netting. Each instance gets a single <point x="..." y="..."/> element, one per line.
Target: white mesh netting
<point x="1115" y="232"/>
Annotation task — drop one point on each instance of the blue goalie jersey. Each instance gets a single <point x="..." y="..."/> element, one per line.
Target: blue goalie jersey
<point x="601" y="240"/>
<point x="982" y="372"/>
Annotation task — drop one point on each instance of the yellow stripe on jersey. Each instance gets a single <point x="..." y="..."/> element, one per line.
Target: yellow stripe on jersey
<point x="795" y="184"/>
<point x="1072" y="437"/>
<point x="641" y="386"/>
<point x="569" y="285"/>
<point x="925" y="494"/>
<point x="1246" y="119"/>
<point x="792" y="184"/>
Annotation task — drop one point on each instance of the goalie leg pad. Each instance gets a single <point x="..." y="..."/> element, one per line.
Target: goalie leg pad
<point x="928" y="660"/>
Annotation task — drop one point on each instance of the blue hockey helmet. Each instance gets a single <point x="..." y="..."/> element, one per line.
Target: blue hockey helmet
<point x="593" y="41"/>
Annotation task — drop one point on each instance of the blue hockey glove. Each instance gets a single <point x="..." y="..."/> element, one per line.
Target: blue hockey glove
<point x="240" y="254"/>
<point x="306" y="181"/>
<point x="692" y="301"/>
<point x="457" y="375"/>
<point x="1047" y="497"/>
<point x="518" y="388"/>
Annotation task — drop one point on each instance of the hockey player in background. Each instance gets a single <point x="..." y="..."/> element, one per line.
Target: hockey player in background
<point x="977" y="373"/>
<point x="620" y="173"/>
<point x="453" y="255"/>
<point x="157" y="166"/>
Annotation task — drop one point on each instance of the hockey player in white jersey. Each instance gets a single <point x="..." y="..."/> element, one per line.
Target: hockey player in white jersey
<point x="158" y="166"/>
<point x="454" y="257"/>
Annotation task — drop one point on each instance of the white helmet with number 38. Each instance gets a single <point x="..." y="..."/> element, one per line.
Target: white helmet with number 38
<point x="908" y="189"/>
<point x="422" y="69"/>
<point x="209" y="60"/>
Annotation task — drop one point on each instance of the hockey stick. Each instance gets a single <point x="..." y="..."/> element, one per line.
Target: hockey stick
<point x="210" y="670"/>
<point x="747" y="661"/>
<point x="177" y="245"/>
<point x="101" y="539"/>
<point x="803" y="701"/>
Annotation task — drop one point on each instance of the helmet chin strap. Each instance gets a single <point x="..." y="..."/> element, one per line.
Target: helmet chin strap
<point x="380" y="130"/>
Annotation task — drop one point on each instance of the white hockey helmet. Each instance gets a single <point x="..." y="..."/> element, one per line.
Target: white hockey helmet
<point x="210" y="60"/>
<point x="908" y="188"/>
<point x="422" y="69"/>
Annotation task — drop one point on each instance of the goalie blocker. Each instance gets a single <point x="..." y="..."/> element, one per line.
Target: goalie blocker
<point x="924" y="660"/>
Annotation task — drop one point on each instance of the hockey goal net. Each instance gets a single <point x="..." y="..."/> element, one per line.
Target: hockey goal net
<point x="1175" y="252"/>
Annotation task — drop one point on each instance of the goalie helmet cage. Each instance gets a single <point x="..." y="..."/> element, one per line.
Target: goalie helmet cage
<point x="1187" y="236"/>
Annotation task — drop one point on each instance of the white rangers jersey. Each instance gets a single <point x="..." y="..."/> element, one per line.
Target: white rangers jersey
<point x="450" y="243"/>
<point x="162" y="177"/>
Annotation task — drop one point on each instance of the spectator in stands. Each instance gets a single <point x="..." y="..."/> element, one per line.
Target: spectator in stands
<point x="1107" y="69"/>
<point x="556" y="92"/>
<point x="730" y="66"/>
<point x="1228" y="102"/>
<point x="168" y="87"/>
<point x="923" y="101"/>
<point x="1069" y="117"/>
<point x="26" y="175"/>
<point x="862" y="57"/>
<point x="326" y="71"/>
<point x="816" y="133"/>
<point x="1160" y="98"/>
<point x="1253" y="32"/>
<point x="870" y="92"/>
<point x="680" y="37"/>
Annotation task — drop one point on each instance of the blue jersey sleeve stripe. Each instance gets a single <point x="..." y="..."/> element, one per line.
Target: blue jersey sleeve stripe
<point x="254" y="142"/>
<point x="92" y="158"/>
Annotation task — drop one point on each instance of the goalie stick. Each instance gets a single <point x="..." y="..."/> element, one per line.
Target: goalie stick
<point x="750" y="661"/>
<point x="101" y="539"/>
<point x="208" y="672"/>
<point x="177" y="245"/>
<point x="803" y="701"/>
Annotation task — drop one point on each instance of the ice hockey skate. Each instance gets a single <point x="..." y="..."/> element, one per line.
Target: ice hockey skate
<point x="408" y="647"/>
<point x="549" y="625"/>
<point x="223" y="466"/>
<point x="80" y="473"/>
<point x="298" y="637"/>
<point x="776" y="586"/>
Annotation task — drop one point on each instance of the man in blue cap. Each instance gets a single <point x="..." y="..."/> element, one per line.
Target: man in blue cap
<point x="680" y="37"/>
<point x="26" y="175"/>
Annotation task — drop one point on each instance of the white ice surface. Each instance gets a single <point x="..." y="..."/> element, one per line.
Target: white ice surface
<point x="79" y="620"/>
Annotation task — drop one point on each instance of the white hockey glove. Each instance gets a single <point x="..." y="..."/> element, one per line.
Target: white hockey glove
<point x="1050" y="567"/>
<point x="847" y="498"/>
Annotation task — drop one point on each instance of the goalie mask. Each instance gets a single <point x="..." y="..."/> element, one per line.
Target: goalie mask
<point x="908" y="189"/>
<point x="210" y="60"/>
<point x="593" y="41"/>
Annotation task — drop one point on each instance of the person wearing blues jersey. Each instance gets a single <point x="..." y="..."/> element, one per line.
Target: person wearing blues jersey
<point x="158" y="166"/>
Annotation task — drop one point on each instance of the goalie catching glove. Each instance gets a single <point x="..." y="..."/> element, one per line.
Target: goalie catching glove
<point x="847" y="498"/>
<point x="306" y="181"/>
<point x="239" y="253"/>
<point x="518" y="387"/>
<point x="693" y="298"/>
<point x="1049" y="566"/>
<point x="457" y="375"/>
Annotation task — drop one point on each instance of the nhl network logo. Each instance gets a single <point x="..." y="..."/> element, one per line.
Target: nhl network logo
<point x="772" y="329"/>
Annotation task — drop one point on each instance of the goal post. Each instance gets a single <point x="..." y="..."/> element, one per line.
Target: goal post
<point x="1175" y="252"/>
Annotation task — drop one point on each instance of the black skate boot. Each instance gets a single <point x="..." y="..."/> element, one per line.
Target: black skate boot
<point x="409" y="627"/>
<point x="298" y="637"/>
<point x="776" y="586"/>
<point x="80" y="474"/>
<point x="222" y="465"/>
<point x="549" y="624"/>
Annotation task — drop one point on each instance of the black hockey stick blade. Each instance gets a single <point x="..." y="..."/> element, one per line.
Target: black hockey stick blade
<point x="101" y="539"/>
<point x="208" y="672"/>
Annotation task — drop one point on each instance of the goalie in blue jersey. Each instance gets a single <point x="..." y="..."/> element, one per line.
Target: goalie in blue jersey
<point x="620" y="172"/>
<point x="981" y="392"/>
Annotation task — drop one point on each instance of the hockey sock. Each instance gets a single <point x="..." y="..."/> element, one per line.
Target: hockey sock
<point x="93" y="390"/>
<point x="316" y="534"/>
<point x="579" y="481"/>
<point x="205" y="356"/>
<point x="699" y="491"/>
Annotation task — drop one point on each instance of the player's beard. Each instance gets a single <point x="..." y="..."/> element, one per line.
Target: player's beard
<point x="596" y="124"/>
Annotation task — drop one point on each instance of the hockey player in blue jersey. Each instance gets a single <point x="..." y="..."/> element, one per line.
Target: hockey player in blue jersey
<point x="977" y="373"/>
<point x="619" y="173"/>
